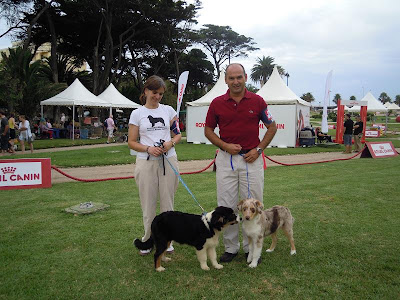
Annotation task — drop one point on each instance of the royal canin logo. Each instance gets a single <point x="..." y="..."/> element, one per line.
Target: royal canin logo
<point x="8" y="170"/>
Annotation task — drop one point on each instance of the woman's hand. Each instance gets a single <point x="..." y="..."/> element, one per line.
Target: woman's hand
<point x="167" y="146"/>
<point x="155" y="151"/>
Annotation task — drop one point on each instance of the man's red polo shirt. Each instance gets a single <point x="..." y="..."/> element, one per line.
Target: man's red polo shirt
<point x="238" y="123"/>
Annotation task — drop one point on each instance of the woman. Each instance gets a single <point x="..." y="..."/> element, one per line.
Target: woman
<point x="153" y="124"/>
<point x="11" y="125"/>
<point x="25" y="133"/>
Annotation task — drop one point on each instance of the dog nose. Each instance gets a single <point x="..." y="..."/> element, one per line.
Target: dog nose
<point x="247" y="218"/>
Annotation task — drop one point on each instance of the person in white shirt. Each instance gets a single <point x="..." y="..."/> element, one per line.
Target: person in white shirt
<point x="110" y="128"/>
<point x="25" y="133"/>
<point x="157" y="128"/>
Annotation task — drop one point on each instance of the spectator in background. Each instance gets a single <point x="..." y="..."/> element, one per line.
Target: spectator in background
<point x="322" y="136"/>
<point x="348" y="133"/>
<point x="25" y="133"/>
<point x="62" y="120"/>
<point x="110" y="128"/>
<point x="358" y="133"/>
<point x="11" y="125"/>
<point x="4" y="132"/>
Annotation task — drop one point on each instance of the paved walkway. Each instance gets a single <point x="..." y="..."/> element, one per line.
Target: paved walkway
<point x="184" y="166"/>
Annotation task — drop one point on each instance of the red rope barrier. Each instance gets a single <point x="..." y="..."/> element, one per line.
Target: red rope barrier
<point x="314" y="162"/>
<point x="119" y="178"/>
<point x="200" y="171"/>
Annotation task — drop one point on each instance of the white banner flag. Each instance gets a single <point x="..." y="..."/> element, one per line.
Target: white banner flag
<point x="181" y="90"/>
<point x="324" y="124"/>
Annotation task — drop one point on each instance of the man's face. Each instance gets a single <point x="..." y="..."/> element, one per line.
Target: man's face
<point x="235" y="79"/>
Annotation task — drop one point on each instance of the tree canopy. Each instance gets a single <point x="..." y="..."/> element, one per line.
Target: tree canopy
<point x="223" y="44"/>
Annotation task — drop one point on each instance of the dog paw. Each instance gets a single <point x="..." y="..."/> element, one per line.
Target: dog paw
<point x="293" y="252"/>
<point x="269" y="250"/>
<point x="205" y="268"/>
<point x="249" y="259"/>
<point x="218" y="266"/>
<point x="160" y="269"/>
<point x="166" y="259"/>
<point x="253" y="264"/>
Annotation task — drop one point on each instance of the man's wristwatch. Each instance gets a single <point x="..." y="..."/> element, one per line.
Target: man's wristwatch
<point x="259" y="150"/>
<point x="173" y="143"/>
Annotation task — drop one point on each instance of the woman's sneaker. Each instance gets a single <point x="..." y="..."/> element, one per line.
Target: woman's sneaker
<point x="144" y="252"/>
<point x="170" y="249"/>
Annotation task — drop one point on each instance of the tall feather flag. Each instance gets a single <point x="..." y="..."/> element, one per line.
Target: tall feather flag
<point x="181" y="90"/>
<point x="324" y="125"/>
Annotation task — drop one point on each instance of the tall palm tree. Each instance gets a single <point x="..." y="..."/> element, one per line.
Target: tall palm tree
<point x="262" y="70"/>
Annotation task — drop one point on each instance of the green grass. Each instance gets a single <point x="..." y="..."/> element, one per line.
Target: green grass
<point x="346" y="232"/>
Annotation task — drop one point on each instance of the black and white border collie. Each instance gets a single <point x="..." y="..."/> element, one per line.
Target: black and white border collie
<point x="199" y="231"/>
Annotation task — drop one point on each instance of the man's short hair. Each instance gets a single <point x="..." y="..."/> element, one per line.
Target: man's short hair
<point x="348" y="115"/>
<point x="226" y="70"/>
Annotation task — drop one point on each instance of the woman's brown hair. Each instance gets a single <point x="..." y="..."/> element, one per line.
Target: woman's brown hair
<point x="152" y="83"/>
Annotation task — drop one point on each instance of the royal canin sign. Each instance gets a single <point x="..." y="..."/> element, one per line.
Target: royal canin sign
<point x="25" y="173"/>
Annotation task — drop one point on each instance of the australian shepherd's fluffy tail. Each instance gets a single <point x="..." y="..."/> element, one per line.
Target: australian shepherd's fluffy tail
<point x="144" y="245"/>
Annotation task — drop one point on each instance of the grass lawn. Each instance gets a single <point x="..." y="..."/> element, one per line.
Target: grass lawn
<point x="346" y="232"/>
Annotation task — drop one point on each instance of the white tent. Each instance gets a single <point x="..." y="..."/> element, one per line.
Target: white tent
<point x="391" y="106"/>
<point x="373" y="105"/>
<point x="290" y="112"/>
<point x="218" y="89"/>
<point x="75" y="95"/>
<point x="116" y="99"/>
<point x="196" y="112"/>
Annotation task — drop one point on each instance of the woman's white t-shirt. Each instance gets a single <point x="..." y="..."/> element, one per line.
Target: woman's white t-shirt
<point x="154" y="125"/>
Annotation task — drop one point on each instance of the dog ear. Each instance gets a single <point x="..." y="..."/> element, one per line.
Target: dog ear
<point x="260" y="206"/>
<point x="239" y="206"/>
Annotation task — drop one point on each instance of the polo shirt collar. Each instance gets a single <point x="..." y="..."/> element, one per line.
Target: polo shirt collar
<point x="246" y="95"/>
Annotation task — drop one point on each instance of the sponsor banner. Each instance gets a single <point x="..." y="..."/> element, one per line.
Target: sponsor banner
<point x="379" y="149"/>
<point x="25" y="173"/>
<point x="372" y="133"/>
<point x="331" y="126"/>
<point x="354" y="103"/>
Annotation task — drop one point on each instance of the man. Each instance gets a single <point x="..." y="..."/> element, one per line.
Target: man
<point x="358" y="133"/>
<point x="239" y="161"/>
<point x="5" y="133"/>
<point x="348" y="133"/>
<point x="110" y="128"/>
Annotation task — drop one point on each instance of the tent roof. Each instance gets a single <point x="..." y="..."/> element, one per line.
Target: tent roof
<point x="373" y="104"/>
<point x="113" y="96"/>
<point x="218" y="89"/>
<point x="275" y="91"/>
<point x="76" y="94"/>
<point x="391" y="105"/>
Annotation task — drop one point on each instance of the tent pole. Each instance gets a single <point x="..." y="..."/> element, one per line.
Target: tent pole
<point x="386" y="125"/>
<point x="41" y="111"/>
<point x="73" y="122"/>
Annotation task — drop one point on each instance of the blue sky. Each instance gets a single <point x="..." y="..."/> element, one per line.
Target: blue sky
<point x="357" y="39"/>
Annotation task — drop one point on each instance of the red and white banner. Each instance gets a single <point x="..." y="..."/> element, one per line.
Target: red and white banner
<point x="25" y="173"/>
<point x="379" y="149"/>
<point x="181" y="90"/>
<point x="372" y="133"/>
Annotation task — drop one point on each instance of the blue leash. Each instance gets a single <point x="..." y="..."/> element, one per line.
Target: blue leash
<point x="184" y="184"/>
<point x="247" y="175"/>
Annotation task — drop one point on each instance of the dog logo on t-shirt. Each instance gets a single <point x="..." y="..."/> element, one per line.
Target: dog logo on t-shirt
<point x="154" y="120"/>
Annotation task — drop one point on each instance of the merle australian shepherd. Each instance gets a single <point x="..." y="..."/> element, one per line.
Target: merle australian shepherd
<point x="199" y="231"/>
